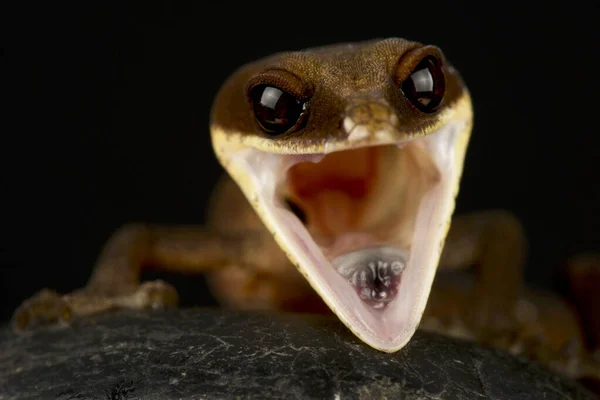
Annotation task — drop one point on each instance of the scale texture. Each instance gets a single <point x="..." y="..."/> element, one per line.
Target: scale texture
<point x="215" y="354"/>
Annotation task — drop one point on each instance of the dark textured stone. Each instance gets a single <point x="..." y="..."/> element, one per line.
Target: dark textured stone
<point x="215" y="354"/>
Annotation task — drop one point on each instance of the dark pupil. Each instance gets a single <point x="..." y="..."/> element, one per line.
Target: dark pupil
<point x="425" y="86"/>
<point x="276" y="111"/>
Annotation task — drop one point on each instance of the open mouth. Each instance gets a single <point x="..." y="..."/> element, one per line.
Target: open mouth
<point x="360" y="212"/>
<point x="364" y="225"/>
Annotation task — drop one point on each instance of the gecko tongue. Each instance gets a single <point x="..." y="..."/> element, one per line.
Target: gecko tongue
<point x="374" y="273"/>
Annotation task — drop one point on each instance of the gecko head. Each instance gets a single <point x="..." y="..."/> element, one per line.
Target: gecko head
<point x="352" y="155"/>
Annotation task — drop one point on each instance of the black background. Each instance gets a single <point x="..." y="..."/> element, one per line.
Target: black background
<point x="109" y="119"/>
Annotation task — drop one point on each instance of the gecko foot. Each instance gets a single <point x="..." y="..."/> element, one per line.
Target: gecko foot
<point x="47" y="307"/>
<point x="152" y="294"/>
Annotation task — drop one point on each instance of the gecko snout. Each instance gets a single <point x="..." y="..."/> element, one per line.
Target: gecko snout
<point x="370" y="120"/>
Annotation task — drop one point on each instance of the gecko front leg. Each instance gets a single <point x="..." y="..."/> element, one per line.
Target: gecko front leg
<point x="115" y="281"/>
<point x="496" y="309"/>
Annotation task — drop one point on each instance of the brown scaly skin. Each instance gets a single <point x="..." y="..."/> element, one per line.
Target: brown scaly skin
<point x="247" y="269"/>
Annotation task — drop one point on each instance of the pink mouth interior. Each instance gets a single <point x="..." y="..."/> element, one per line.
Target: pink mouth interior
<point x="333" y="193"/>
<point x="364" y="226"/>
<point x="335" y="198"/>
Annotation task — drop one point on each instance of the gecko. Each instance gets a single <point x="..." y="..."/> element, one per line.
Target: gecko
<point x="343" y="164"/>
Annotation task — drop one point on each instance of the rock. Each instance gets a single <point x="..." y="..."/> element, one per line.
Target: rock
<point x="216" y="354"/>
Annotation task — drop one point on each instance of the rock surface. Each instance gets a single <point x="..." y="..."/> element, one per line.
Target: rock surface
<point x="216" y="354"/>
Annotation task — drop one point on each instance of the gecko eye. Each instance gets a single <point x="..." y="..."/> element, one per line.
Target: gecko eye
<point x="425" y="86"/>
<point x="276" y="111"/>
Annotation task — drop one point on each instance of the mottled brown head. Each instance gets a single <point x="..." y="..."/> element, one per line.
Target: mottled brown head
<point x="336" y="90"/>
<point x="352" y="155"/>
